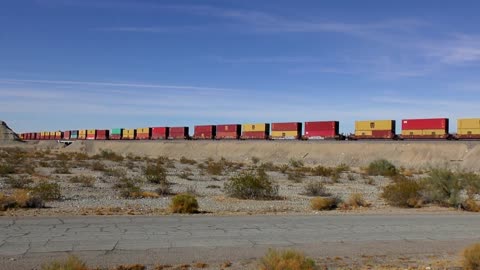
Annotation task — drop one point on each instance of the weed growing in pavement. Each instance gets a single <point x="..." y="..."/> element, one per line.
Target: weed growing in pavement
<point x="286" y="259"/>
<point x="72" y="263"/>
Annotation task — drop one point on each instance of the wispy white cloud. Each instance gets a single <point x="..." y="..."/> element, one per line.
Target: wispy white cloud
<point x="457" y="49"/>
<point x="116" y="84"/>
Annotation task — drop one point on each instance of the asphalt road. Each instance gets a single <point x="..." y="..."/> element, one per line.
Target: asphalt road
<point x="27" y="242"/>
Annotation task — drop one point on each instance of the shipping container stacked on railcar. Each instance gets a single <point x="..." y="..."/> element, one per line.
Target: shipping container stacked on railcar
<point x="102" y="134"/>
<point x="433" y="128"/>
<point x="82" y="134"/>
<point x="178" y="133"/>
<point x="468" y="128"/>
<point x="66" y="135"/>
<point x="290" y="130"/>
<point x="258" y="131"/>
<point x="116" y="133"/>
<point x="143" y="133"/>
<point x="129" y="134"/>
<point x="91" y="134"/>
<point x="73" y="134"/>
<point x="204" y="132"/>
<point x="322" y="130"/>
<point x="228" y="132"/>
<point x="159" y="133"/>
<point x="375" y="129"/>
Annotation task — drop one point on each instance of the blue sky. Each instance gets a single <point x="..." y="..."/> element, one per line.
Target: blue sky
<point x="68" y="64"/>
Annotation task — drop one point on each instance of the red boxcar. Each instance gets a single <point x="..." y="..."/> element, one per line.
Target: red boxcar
<point x="159" y="133"/>
<point x="102" y="134"/>
<point x="38" y="136"/>
<point x="206" y="132"/>
<point x="291" y="130"/>
<point x="228" y="131"/>
<point x="322" y="130"/>
<point x="178" y="133"/>
<point x="66" y="135"/>
<point x="419" y="124"/>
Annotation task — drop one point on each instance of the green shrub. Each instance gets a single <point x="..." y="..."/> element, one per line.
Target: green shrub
<point x="19" y="182"/>
<point x="296" y="163"/>
<point x="188" y="161"/>
<point x="84" y="180"/>
<point x="129" y="188"/>
<point x="315" y="188"/>
<point x="47" y="191"/>
<point x="251" y="185"/>
<point x="156" y="173"/>
<point x="286" y="260"/>
<point x="255" y="160"/>
<point x="443" y="187"/>
<point x="381" y="167"/>
<point x="471" y="257"/>
<point x="62" y="167"/>
<point x="6" y="169"/>
<point x="296" y="176"/>
<point x="403" y="193"/>
<point x="98" y="166"/>
<point x="322" y="171"/>
<point x="215" y="168"/>
<point x="108" y="155"/>
<point x="72" y="263"/>
<point x="324" y="203"/>
<point x="184" y="204"/>
<point x="119" y="173"/>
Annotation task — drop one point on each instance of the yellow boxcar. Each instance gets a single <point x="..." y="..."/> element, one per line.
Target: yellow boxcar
<point x="82" y="134"/>
<point x="412" y="132"/>
<point x="472" y="123"/>
<point x="363" y="133"/>
<point x="468" y="131"/>
<point x="287" y="134"/>
<point x="58" y="133"/>
<point x="143" y="130"/>
<point x="128" y="134"/>
<point x="91" y="132"/>
<point x="434" y="132"/>
<point x="255" y="127"/>
<point x="375" y="125"/>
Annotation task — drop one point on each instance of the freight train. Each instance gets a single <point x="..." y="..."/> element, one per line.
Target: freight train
<point x="434" y="128"/>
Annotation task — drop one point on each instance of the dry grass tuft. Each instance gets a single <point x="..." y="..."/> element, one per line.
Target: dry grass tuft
<point x="323" y="203"/>
<point x="131" y="267"/>
<point x="355" y="200"/>
<point x="184" y="204"/>
<point x="286" y="260"/>
<point x="72" y="263"/>
<point x="148" y="194"/>
<point x="201" y="265"/>
<point x="471" y="257"/>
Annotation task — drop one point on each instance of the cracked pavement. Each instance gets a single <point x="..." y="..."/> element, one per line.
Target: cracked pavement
<point x="25" y="243"/>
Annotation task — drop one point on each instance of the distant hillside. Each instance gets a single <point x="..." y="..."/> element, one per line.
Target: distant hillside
<point x="7" y="134"/>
